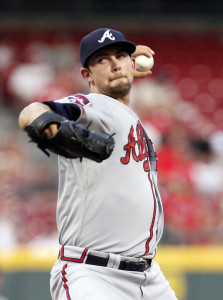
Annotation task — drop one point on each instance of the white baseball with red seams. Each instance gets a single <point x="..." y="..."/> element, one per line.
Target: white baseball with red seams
<point x="144" y="63"/>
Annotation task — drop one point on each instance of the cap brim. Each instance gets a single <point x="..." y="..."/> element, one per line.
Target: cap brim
<point x="128" y="46"/>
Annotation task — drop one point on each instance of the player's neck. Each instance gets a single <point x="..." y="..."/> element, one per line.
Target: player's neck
<point x="125" y="99"/>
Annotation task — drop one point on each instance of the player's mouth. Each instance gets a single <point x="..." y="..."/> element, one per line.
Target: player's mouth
<point x="118" y="77"/>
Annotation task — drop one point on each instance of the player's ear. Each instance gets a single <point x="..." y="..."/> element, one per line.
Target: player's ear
<point x="87" y="75"/>
<point x="133" y="63"/>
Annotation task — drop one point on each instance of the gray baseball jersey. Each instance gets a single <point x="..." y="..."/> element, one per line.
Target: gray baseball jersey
<point x="113" y="206"/>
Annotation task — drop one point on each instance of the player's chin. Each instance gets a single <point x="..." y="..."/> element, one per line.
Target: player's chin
<point x="120" y="90"/>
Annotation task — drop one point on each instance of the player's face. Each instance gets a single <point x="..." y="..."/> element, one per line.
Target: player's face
<point x="111" y="72"/>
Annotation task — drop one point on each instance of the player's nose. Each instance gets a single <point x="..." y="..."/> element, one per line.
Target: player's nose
<point x="115" y="64"/>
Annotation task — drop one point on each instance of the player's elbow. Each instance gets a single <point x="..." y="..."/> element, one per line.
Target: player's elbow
<point x="30" y="113"/>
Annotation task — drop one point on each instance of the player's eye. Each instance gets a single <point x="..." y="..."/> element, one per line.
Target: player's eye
<point x="122" y="55"/>
<point x="101" y="60"/>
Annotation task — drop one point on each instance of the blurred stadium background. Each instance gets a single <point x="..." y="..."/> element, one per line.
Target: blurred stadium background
<point x="181" y="105"/>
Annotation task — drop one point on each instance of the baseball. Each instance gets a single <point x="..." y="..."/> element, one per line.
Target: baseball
<point x="144" y="63"/>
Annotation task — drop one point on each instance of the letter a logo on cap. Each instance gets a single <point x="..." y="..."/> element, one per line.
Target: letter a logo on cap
<point x="108" y="35"/>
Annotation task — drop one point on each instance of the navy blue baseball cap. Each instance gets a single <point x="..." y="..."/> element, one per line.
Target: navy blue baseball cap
<point x="101" y="38"/>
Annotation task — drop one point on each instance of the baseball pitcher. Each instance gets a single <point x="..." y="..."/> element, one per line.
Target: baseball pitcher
<point x="109" y="210"/>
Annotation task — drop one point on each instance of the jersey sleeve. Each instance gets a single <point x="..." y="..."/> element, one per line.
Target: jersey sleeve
<point x="80" y="108"/>
<point x="98" y="116"/>
<point x="70" y="111"/>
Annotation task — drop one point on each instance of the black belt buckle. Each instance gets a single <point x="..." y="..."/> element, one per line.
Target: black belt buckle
<point x="135" y="266"/>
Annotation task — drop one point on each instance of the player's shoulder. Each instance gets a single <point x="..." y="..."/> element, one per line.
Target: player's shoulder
<point x="96" y="101"/>
<point x="79" y="99"/>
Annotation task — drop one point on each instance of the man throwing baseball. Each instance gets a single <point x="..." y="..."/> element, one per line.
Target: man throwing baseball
<point x="109" y="211"/>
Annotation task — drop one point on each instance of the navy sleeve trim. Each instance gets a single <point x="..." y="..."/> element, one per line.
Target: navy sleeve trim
<point x="68" y="110"/>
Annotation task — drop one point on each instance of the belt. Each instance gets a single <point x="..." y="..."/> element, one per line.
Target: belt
<point x="84" y="255"/>
<point x="126" y="265"/>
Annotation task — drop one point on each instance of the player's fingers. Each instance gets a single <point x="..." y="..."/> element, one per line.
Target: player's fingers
<point x="140" y="74"/>
<point x="51" y="130"/>
<point x="143" y="50"/>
